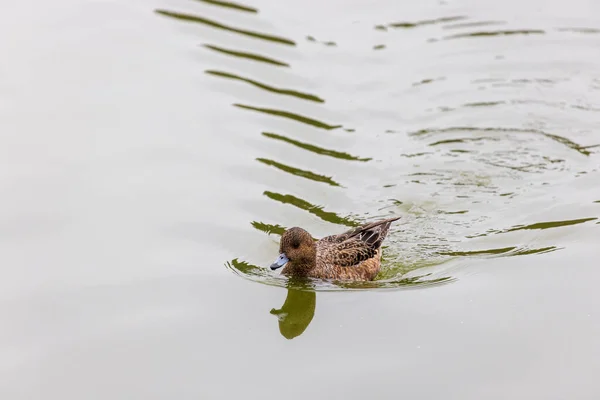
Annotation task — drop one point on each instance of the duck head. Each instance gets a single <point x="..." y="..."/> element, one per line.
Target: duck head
<point x="297" y="250"/>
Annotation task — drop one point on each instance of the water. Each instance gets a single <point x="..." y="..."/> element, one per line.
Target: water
<point x="152" y="153"/>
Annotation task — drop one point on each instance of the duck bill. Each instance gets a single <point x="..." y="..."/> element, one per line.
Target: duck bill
<point x="280" y="262"/>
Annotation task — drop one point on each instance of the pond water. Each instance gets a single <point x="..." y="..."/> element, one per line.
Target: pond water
<point x="154" y="151"/>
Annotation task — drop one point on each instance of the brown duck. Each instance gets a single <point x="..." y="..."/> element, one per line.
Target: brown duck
<point x="353" y="255"/>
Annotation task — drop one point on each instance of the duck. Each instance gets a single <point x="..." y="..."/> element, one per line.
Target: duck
<point x="354" y="255"/>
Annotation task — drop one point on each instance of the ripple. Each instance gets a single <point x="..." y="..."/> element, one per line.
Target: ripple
<point x="328" y="43"/>
<point x="480" y="34"/>
<point x="218" y="25"/>
<point x="550" y="224"/>
<point x="290" y="115"/>
<point x="263" y="275"/>
<point x="318" y="211"/>
<point x="462" y="140"/>
<point x="299" y="172"/>
<point x="580" y="30"/>
<point x="535" y="226"/>
<point x="416" y="24"/>
<point x="246" y="55"/>
<point x="315" y="149"/>
<point x="474" y="24"/>
<point x="427" y="81"/>
<point x="557" y="138"/>
<point x="285" y="92"/>
<point x="458" y="190"/>
<point x="505" y="251"/>
<point x="518" y="83"/>
<point x="268" y="228"/>
<point x="231" y="5"/>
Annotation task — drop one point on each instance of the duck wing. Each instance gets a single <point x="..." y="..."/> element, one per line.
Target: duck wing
<point x="356" y="245"/>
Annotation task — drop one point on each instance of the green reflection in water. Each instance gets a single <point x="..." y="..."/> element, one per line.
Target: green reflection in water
<point x="579" y="30"/>
<point x="268" y="228"/>
<point x="408" y="25"/>
<point x="525" y="252"/>
<point x="560" y="139"/>
<point x="423" y="82"/>
<point x="245" y="267"/>
<point x="296" y="313"/>
<point x="245" y="55"/>
<point x="398" y="281"/>
<point x="473" y="24"/>
<point x="462" y="140"/>
<point x="299" y="172"/>
<point x="228" y="4"/>
<point x="514" y="83"/>
<point x="509" y="251"/>
<point x="315" y="149"/>
<point x="497" y="33"/>
<point x="393" y="279"/>
<point x="593" y="146"/>
<point x="453" y="212"/>
<point x="484" y="104"/>
<point x="311" y="208"/>
<point x="536" y="226"/>
<point x="218" y="25"/>
<point x="326" y="43"/>
<point x="550" y="224"/>
<point x="290" y="115"/>
<point x="478" y="252"/>
<point x="286" y="92"/>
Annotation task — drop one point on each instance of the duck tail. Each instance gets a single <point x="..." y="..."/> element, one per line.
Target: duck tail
<point x="374" y="233"/>
<point x="385" y="226"/>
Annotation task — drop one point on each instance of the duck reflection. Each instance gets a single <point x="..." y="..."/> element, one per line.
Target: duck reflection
<point x="296" y="313"/>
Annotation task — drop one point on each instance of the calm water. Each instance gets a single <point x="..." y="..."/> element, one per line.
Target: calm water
<point x="153" y="151"/>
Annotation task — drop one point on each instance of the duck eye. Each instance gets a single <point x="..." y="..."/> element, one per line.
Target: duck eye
<point x="295" y="245"/>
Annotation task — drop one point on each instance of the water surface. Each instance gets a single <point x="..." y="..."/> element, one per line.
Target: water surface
<point x="153" y="152"/>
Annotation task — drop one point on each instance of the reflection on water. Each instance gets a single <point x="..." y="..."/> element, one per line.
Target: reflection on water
<point x="422" y="23"/>
<point x="247" y="56"/>
<point x="285" y="92"/>
<point x="480" y="146"/>
<point x="551" y="224"/>
<point x="296" y="313"/>
<point x="509" y="251"/>
<point x="499" y="131"/>
<point x="474" y="24"/>
<point x="311" y="208"/>
<point x="580" y="30"/>
<point x="290" y="115"/>
<point x="268" y="228"/>
<point x="496" y="33"/>
<point x="214" y="24"/>
<point x="299" y="172"/>
<point x="390" y="277"/>
<point x="315" y="149"/>
<point x="229" y="4"/>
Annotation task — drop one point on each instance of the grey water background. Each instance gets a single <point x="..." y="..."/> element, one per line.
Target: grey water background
<point x="153" y="151"/>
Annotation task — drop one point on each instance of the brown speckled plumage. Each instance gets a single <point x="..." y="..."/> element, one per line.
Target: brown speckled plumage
<point x="353" y="255"/>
